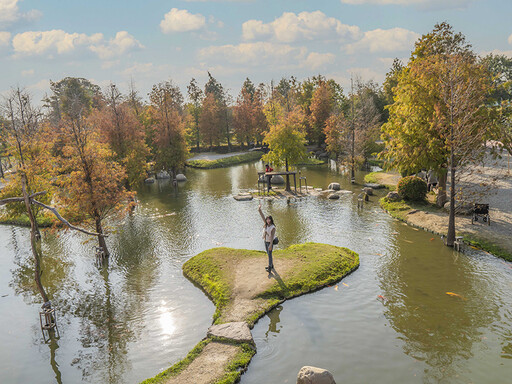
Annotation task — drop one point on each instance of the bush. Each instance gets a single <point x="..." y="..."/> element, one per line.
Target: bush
<point x="412" y="188"/>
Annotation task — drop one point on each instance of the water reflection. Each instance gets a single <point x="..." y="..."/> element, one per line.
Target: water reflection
<point x="436" y="328"/>
<point x="274" y="320"/>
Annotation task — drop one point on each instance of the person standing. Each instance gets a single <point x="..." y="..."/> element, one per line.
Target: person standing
<point x="269" y="234"/>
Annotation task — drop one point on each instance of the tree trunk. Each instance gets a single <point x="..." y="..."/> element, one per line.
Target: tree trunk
<point x="227" y="130"/>
<point x="287" y="177"/>
<point x="33" y="240"/>
<point x="441" y="194"/>
<point x="1" y="169"/>
<point x="101" y="239"/>
<point x="451" y="219"/>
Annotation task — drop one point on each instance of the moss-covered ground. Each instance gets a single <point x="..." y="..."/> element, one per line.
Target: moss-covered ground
<point x="225" y="161"/>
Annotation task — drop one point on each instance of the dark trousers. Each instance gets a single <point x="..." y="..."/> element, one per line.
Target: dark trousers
<point x="269" y="253"/>
<point x="268" y="183"/>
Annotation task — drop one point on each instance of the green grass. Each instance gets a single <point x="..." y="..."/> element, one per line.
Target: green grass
<point x="316" y="265"/>
<point x="23" y="221"/>
<point x="311" y="161"/>
<point x="237" y="365"/>
<point x="179" y="366"/>
<point x="399" y="209"/>
<point x="487" y="246"/>
<point x="371" y="178"/>
<point x="225" y="161"/>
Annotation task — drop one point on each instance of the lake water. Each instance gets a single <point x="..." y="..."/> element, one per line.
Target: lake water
<point x="138" y="316"/>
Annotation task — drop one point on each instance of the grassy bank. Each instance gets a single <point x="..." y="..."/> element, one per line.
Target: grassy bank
<point x="311" y="161"/>
<point x="225" y="161"/>
<point x="400" y="210"/>
<point x="23" y="221"/>
<point x="389" y="180"/>
<point x="314" y="266"/>
<point x="234" y="369"/>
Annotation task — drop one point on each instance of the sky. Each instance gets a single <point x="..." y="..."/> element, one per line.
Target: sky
<point x="156" y="40"/>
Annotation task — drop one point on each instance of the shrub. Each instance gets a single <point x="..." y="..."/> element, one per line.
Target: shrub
<point x="412" y="188"/>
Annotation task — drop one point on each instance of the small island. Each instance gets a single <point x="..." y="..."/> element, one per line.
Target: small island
<point x="243" y="292"/>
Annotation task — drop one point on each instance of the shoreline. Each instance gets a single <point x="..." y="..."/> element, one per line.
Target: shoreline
<point x="435" y="220"/>
<point x="242" y="292"/>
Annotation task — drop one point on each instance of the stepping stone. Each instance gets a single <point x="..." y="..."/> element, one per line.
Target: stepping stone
<point x="237" y="331"/>
<point x="243" y="197"/>
<point x="374" y="185"/>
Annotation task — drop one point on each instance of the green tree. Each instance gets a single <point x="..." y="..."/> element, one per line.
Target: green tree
<point x="286" y="141"/>
<point x="440" y="119"/>
<point x="195" y="95"/>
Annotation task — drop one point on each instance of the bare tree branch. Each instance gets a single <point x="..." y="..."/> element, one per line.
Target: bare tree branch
<point x="57" y="214"/>
<point x="20" y="199"/>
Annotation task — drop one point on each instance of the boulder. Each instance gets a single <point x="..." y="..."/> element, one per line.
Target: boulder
<point x="374" y="185"/>
<point x="149" y="180"/>
<point x="368" y="191"/>
<point x="163" y="175"/>
<point x="237" y="331"/>
<point x="333" y="196"/>
<point x="243" y="197"/>
<point x="181" y="177"/>
<point x="277" y="179"/>
<point x="334" y="186"/>
<point x="318" y="189"/>
<point x="323" y="155"/>
<point x="314" y="375"/>
<point x="393" y="196"/>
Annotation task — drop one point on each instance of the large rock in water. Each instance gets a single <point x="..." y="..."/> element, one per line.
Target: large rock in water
<point x="149" y="180"/>
<point x="237" y="331"/>
<point x="277" y="179"/>
<point x="163" y="175"/>
<point x="368" y="191"/>
<point x="314" y="375"/>
<point x="334" y="186"/>
<point x="333" y="196"/>
<point x="393" y="196"/>
<point x="181" y="177"/>
<point x="243" y="197"/>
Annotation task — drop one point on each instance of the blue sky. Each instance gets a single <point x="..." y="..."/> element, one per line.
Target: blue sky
<point x="159" y="40"/>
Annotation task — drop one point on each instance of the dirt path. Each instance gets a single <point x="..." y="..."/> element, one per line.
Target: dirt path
<point x="251" y="279"/>
<point x="209" y="366"/>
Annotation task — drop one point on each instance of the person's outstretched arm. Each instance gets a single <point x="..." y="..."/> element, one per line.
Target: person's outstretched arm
<point x="261" y="213"/>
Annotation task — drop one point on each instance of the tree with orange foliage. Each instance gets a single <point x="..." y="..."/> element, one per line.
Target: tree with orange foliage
<point x="91" y="181"/>
<point x="167" y="126"/>
<point x="210" y="122"/>
<point x="122" y="131"/>
<point x="322" y="105"/>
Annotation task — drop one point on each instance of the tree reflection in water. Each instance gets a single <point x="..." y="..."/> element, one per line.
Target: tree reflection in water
<point x="436" y="328"/>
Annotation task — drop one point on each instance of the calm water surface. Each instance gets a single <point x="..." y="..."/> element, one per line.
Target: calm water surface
<point x="137" y="317"/>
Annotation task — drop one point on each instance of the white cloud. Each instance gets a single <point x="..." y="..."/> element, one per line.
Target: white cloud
<point x="181" y="20"/>
<point x="54" y="41"/>
<point x="123" y="42"/>
<point x="58" y="41"/>
<point x="9" y="12"/>
<point x="27" y="72"/>
<point x="5" y="39"/>
<point x="510" y="39"/>
<point x="291" y="27"/>
<point x="384" y="40"/>
<point x="254" y="53"/>
<point x="317" y="60"/>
